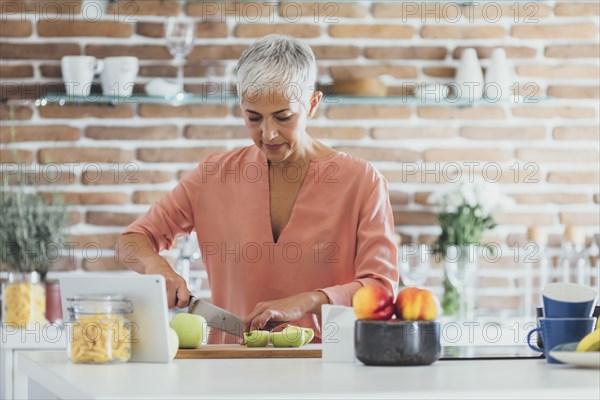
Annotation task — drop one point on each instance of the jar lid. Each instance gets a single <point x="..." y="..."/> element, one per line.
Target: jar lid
<point x="91" y="304"/>
<point x="31" y="277"/>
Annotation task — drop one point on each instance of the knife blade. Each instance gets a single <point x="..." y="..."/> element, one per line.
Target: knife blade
<point x="216" y="317"/>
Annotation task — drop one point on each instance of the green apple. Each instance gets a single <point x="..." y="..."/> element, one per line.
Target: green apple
<point x="291" y="336"/>
<point x="173" y="343"/>
<point x="256" y="338"/>
<point x="190" y="329"/>
<point x="309" y="334"/>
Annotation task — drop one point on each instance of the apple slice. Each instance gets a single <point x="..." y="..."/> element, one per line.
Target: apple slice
<point x="309" y="334"/>
<point x="291" y="336"/>
<point x="256" y="338"/>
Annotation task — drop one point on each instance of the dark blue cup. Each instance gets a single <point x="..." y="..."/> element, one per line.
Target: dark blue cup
<point x="568" y="300"/>
<point x="557" y="331"/>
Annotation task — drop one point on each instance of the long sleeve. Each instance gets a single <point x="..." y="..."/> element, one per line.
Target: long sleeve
<point x="376" y="254"/>
<point x="226" y="201"/>
<point x="172" y="215"/>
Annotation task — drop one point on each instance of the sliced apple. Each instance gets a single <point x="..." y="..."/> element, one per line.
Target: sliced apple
<point x="291" y="336"/>
<point x="256" y="338"/>
<point x="309" y="334"/>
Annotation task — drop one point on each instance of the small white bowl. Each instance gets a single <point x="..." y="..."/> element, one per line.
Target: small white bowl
<point x="161" y="87"/>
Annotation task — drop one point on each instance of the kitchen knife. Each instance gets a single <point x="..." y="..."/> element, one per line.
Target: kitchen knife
<point x="216" y="317"/>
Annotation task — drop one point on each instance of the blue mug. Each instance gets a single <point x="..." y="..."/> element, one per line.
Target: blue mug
<point x="557" y="331"/>
<point x="568" y="300"/>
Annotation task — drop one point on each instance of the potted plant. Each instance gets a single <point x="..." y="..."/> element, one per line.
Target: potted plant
<point x="465" y="214"/>
<point x="31" y="239"/>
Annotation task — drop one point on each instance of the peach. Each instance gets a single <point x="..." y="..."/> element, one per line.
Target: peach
<point x="413" y="304"/>
<point x="373" y="302"/>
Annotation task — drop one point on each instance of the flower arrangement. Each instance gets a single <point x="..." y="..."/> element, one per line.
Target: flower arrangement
<point x="465" y="214"/>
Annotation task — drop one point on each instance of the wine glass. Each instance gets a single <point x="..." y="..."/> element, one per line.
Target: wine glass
<point x="414" y="262"/>
<point x="179" y="34"/>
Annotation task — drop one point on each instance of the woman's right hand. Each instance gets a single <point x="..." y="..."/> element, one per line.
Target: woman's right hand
<point x="178" y="294"/>
<point x="135" y="252"/>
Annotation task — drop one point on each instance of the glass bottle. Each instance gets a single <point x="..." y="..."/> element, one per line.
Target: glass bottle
<point x="573" y="264"/>
<point x="99" y="332"/>
<point x="53" y="303"/>
<point x="593" y="255"/>
<point x="535" y="257"/>
<point x="23" y="300"/>
<point x="188" y="253"/>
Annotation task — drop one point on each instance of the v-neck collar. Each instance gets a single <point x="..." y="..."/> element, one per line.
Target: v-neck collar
<point x="266" y="192"/>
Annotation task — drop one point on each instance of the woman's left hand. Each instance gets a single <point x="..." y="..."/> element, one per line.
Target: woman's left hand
<point x="275" y="312"/>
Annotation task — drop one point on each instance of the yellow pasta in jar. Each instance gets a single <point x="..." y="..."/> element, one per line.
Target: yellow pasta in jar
<point x="99" y="339"/>
<point x="24" y="304"/>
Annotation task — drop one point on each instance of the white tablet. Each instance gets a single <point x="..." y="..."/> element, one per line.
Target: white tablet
<point x="150" y="310"/>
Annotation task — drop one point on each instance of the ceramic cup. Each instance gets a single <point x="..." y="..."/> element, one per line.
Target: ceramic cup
<point x="568" y="300"/>
<point x="557" y="331"/>
<point x="540" y="314"/>
<point x="78" y="73"/>
<point x="118" y="76"/>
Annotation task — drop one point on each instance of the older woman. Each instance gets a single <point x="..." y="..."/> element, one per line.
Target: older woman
<point x="284" y="225"/>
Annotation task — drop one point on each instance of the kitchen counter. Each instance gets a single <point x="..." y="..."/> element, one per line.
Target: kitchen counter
<point x="50" y="372"/>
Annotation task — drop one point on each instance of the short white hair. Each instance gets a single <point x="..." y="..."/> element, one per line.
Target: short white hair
<point x="277" y="61"/>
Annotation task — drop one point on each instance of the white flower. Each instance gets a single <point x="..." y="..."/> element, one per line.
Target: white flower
<point x="468" y="192"/>
<point x="454" y="199"/>
<point x="481" y="194"/>
<point x="488" y="195"/>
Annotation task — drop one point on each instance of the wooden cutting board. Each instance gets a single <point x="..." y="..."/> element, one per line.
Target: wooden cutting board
<point x="239" y="351"/>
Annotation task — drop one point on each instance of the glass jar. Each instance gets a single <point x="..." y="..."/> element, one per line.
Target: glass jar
<point x="23" y="300"/>
<point x="99" y="332"/>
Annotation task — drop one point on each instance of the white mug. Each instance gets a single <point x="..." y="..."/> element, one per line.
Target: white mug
<point x="78" y="73"/>
<point x="118" y="76"/>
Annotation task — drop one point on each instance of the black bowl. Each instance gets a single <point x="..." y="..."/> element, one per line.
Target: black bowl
<point x="396" y="342"/>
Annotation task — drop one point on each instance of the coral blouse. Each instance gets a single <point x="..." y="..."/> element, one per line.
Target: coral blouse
<point x="339" y="236"/>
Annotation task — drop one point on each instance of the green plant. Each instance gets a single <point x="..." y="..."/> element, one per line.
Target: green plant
<point x="464" y="214"/>
<point x="31" y="229"/>
<point x="463" y="226"/>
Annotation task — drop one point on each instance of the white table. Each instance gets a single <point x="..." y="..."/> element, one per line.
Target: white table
<point x="50" y="372"/>
<point x="13" y="383"/>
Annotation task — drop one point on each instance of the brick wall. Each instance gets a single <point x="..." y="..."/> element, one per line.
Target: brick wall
<point x="546" y="150"/>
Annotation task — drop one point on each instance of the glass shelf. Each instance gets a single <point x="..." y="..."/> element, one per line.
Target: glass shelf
<point x="192" y="99"/>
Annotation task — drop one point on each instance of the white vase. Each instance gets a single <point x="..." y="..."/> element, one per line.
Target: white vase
<point x="469" y="76"/>
<point x="498" y="77"/>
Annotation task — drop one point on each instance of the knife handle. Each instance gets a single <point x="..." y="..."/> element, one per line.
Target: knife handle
<point x="192" y="300"/>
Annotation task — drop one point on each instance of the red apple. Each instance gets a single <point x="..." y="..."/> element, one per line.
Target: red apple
<point x="413" y="304"/>
<point x="373" y="302"/>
